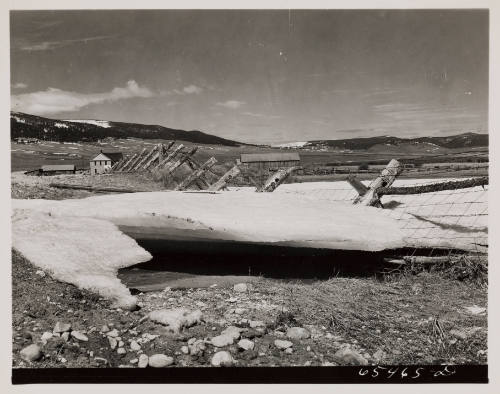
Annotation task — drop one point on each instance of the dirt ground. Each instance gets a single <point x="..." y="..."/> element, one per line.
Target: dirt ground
<point x="405" y="318"/>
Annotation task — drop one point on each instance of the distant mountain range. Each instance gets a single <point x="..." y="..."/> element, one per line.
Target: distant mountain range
<point x="75" y="130"/>
<point x="387" y="143"/>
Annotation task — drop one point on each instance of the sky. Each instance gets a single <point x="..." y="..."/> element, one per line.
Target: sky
<point x="258" y="76"/>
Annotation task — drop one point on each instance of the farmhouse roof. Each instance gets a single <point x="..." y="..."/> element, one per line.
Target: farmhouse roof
<point x="59" y="167"/>
<point x="113" y="156"/>
<point x="269" y="157"/>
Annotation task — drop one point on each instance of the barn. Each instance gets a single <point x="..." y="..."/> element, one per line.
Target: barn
<point x="103" y="162"/>
<point x="55" y="169"/>
<point x="270" y="161"/>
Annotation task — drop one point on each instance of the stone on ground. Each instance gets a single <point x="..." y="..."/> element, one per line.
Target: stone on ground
<point x="350" y="357"/>
<point x="61" y="327"/>
<point x="246" y="344"/>
<point x="297" y="333"/>
<point x="160" y="361"/>
<point x="222" y="359"/>
<point x="282" y="344"/>
<point x="177" y="318"/>
<point x="31" y="353"/>
<point x="143" y="361"/>
<point x="79" y="336"/>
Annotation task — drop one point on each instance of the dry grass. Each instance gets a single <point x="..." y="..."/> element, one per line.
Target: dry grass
<point x="396" y="316"/>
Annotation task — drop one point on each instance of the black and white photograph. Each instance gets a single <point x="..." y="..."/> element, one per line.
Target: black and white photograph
<point x="285" y="195"/>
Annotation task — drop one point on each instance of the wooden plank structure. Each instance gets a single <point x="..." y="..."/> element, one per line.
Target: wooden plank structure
<point x="167" y="158"/>
<point x="196" y="174"/>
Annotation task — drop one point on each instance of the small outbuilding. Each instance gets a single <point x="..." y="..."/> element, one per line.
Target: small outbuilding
<point x="103" y="162"/>
<point x="273" y="160"/>
<point x="55" y="169"/>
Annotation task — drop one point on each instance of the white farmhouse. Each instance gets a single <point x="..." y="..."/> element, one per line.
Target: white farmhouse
<point x="103" y="162"/>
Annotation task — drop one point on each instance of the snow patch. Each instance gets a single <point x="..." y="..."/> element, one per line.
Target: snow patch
<point x="83" y="251"/>
<point x="61" y="125"/>
<point x="100" y="123"/>
<point x="300" y="144"/>
<point x="18" y="120"/>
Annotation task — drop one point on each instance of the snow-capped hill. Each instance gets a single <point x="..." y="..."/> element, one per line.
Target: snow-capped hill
<point x="100" y="123"/>
<point x="291" y="145"/>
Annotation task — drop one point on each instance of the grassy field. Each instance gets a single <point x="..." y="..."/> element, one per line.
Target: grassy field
<point x="32" y="156"/>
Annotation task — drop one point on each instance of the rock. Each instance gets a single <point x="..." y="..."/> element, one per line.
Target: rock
<point x="185" y="350"/>
<point x="105" y="328"/>
<point x="256" y="323"/>
<point x="40" y="273"/>
<point x="135" y="346"/>
<point x="46" y="336"/>
<point x="246" y="344"/>
<point x="31" y="353"/>
<point x="308" y="349"/>
<point x="232" y="300"/>
<point x="222" y="359"/>
<point x="227" y="336"/>
<point x="459" y="334"/>
<point x="314" y="331"/>
<point x="297" y="333"/>
<point x="112" y="342"/>
<point x="79" y="336"/>
<point x="177" y="318"/>
<point x="121" y="350"/>
<point x="113" y="333"/>
<point x="476" y="310"/>
<point x="59" y="328"/>
<point x="239" y="311"/>
<point x="282" y="344"/>
<point x="191" y="341"/>
<point x="65" y="336"/>
<point x="289" y="350"/>
<point x="133" y="361"/>
<point x="240" y="288"/>
<point x="197" y="348"/>
<point x="222" y="340"/>
<point x="379" y="355"/>
<point x="120" y="343"/>
<point x="143" y="361"/>
<point x="160" y="361"/>
<point x="350" y="357"/>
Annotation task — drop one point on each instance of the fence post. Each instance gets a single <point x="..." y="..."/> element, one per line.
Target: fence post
<point x="196" y="174"/>
<point x="276" y="179"/>
<point x="224" y="179"/>
<point x="386" y="178"/>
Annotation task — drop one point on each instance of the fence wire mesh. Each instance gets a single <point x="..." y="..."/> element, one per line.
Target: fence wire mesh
<point x="449" y="220"/>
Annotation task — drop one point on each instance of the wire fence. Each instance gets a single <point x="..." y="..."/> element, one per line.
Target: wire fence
<point x="448" y="220"/>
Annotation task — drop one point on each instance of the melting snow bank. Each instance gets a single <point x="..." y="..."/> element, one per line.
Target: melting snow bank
<point x="78" y="242"/>
<point x="83" y="251"/>
<point x="251" y="217"/>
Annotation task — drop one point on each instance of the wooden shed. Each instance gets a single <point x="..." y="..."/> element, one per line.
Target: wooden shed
<point x="273" y="160"/>
<point x="54" y="169"/>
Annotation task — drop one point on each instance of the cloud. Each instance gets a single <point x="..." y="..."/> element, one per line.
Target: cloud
<point x="19" y="85"/>
<point x="258" y="115"/>
<point x="54" y="100"/>
<point x="192" y="89"/>
<point x="233" y="104"/>
<point x="49" y="45"/>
